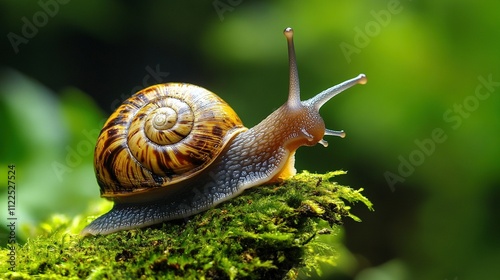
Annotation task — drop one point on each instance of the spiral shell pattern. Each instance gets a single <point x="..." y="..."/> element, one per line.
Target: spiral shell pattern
<point x="160" y="136"/>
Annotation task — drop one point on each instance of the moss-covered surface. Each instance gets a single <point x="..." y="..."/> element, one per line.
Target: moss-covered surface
<point x="269" y="232"/>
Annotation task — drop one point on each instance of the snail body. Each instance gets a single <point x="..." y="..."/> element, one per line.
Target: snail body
<point x="174" y="150"/>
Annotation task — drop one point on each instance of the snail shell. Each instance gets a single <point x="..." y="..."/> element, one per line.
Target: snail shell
<point x="174" y="150"/>
<point x="160" y="136"/>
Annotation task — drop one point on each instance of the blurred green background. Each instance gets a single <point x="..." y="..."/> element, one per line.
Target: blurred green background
<point x="422" y="135"/>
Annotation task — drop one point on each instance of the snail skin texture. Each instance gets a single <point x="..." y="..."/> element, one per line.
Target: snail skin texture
<point x="174" y="150"/>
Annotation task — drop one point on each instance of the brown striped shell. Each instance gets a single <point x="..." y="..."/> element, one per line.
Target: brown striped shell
<point x="160" y="136"/>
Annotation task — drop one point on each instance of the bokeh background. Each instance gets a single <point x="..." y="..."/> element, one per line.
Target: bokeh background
<point x="422" y="135"/>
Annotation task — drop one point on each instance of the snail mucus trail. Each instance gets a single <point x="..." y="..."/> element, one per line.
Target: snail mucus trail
<point x="150" y="183"/>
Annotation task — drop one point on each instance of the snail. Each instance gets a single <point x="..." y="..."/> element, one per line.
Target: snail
<point x="173" y="150"/>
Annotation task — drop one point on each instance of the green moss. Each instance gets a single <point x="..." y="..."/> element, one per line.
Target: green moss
<point x="269" y="232"/>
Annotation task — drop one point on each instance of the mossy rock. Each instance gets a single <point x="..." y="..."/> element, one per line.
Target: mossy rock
<point x="269" y="232"/>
